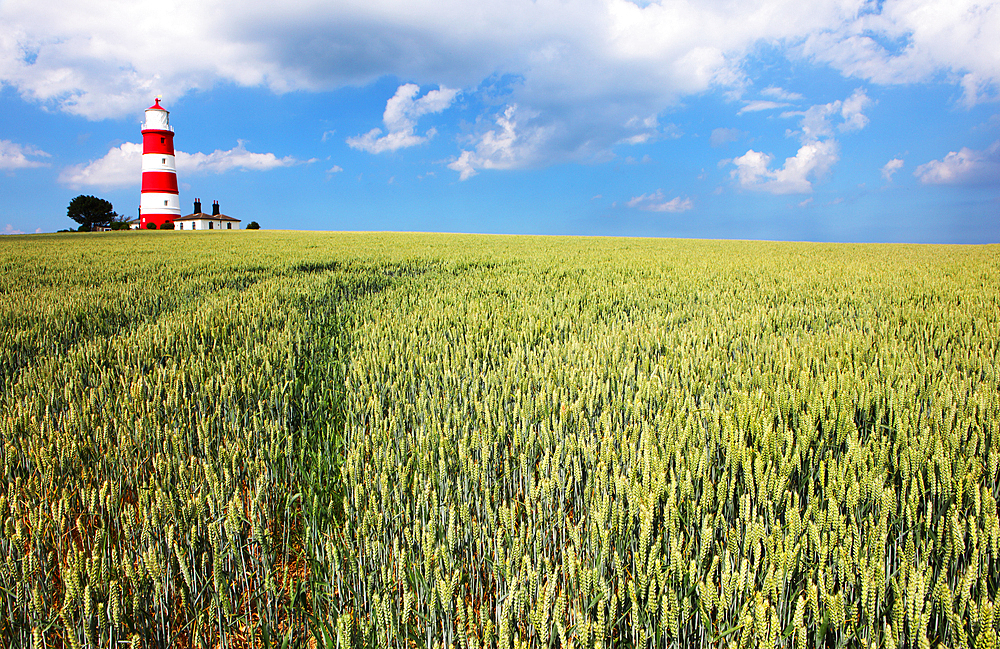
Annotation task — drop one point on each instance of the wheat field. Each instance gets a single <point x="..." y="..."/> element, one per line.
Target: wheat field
<point x="257" y="439"/>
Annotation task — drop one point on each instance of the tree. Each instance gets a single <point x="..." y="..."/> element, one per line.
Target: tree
<point x="253" y="225"/>
<point x="90" y="211"/>
<point x="120" y="222"/>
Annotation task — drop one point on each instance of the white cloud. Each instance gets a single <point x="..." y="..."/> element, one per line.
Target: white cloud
<point x="18" y="156"/>
<point x="656" y="202"/>
<point x="238" y="157"/>
<point x="10" y="229"/>
<point x="989" y="125"/>
<point x="780" y="94"/>
<point x="583" y="68"/>
<point x="508" y="145"/>
<point x="722" y="136"/>
<point x="818" y="152"/>
<point x="761" y="104"/>
<point x="965" y="167"/>
<point x="891" y="168"/>
<point x="641" y="138"/>
<point x="906" y="41"/>
<point x="647" y="130"/>
<point x="812" y="161"/>
<point x="122" y="165"/>
<point x="400" y="119"/>
<point x="631" y="160"/>
<point x="850" y="111"/>
<point x="817" y="121"/>
<point x="335" y="169"/>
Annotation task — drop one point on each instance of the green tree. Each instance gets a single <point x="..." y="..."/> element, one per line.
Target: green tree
<point x="253" y="225"/>
<point x="90" y="212"/>
<point x="120" y="222"/>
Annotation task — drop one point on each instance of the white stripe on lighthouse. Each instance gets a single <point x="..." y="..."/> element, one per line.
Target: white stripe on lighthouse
<point x="159" y="203"/>
<point x="158" y="162"/>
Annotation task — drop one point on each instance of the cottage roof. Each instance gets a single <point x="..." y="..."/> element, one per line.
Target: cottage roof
<point x="198" y="216"/>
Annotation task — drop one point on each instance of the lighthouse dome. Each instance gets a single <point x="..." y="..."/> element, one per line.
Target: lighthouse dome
<point x="157" y="118"/>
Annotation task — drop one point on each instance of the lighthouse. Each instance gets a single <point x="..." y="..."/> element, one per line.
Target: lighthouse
<point x="159" y="202"/>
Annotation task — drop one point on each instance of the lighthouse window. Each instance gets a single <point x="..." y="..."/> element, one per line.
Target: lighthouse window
<point x="164" y="203"/>
<point x="164" y="160"/>
<point x="163" y="140"/>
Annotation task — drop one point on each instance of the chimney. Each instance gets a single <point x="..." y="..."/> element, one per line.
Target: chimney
<point x="215" y="208"/>
<point x="197" y="206"/>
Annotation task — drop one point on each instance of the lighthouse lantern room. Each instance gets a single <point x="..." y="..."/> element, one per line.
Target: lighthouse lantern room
<point x="159" y="202"/>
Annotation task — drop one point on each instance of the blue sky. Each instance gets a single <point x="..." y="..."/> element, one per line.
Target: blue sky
<point x="834" y="120"/>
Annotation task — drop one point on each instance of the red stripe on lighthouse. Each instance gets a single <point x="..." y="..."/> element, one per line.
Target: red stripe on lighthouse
<point x="158" y="142"/>
<point x="164" y="182"/>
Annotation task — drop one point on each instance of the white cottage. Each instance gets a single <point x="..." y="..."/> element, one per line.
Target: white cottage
<point x="198" y="220"/>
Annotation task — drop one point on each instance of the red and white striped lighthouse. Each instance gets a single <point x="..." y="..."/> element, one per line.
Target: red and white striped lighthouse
<point x="159" y="203"/>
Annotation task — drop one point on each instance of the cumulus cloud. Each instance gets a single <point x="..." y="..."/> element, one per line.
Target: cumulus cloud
<point x="656" y="202"/>
<point x="400" y="119"/>
<point x="584" y="68"/>
<point x="845" y="116"/>
<point x="507" y="145"/>
<point x="906" y="41"/>
<point x="818" y="152"/>
<point x="19" y="156"/>
<point x="851" y="111"/>
<point x="122" y="165"/>
<point x="812" y="161"/>
<point x="238" y="157"/>
<point x="891" y="168"/>
<point x="964" y="167"/>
